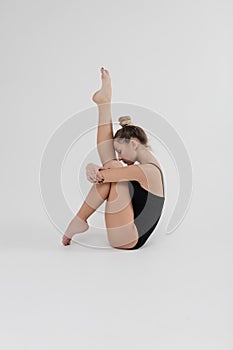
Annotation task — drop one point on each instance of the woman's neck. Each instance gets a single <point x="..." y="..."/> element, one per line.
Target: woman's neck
<point x="145" y="156"/>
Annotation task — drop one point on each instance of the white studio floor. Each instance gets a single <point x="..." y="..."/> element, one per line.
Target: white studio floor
<point x="175" y="292"/>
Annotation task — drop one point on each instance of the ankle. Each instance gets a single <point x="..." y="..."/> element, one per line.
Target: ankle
<point x="81" y="217"/>
<point x="104" y="104"/>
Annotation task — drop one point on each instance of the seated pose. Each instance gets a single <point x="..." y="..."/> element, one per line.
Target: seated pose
<point x="134" y="194"/>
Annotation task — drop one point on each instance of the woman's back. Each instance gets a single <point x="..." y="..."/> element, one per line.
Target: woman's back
<point x="147" y="209"/>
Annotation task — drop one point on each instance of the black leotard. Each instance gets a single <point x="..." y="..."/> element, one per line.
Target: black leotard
<point x="147" y="209"/>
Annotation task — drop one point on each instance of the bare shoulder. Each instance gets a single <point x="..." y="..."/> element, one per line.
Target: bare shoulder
<point x="152" y="181"/>
<point x="149" y="166"/>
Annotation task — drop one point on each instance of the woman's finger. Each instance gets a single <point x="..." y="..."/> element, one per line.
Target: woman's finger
<point x="99" y="177"/>
<point x="91" y="179"/>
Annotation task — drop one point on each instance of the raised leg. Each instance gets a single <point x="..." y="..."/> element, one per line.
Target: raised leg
<point x="122" y="233"/>
<point x="105" y="134"/>
<point x="105" y="130"/>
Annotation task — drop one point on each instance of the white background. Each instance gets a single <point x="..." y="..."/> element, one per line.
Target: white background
<point x="174" y="57"/>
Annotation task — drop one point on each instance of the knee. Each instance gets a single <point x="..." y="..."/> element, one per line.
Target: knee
<point x="113" y="163"/>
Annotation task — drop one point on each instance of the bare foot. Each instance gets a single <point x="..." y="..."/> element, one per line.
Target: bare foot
<point x="76" y="225"/>
<point x="105" y="93"/>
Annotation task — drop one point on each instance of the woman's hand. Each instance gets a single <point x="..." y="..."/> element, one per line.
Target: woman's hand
<point x="92" y="172"/>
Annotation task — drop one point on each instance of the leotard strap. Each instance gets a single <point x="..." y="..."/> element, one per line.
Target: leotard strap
<point x="160" y="173"/>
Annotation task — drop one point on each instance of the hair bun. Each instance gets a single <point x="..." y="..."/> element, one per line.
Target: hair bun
<point x="126" y="120"/>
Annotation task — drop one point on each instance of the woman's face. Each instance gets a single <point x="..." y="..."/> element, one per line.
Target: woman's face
<point x="125" y="152"/>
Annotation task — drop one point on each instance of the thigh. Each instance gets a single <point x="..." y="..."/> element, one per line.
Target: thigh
<point x="106" y="150"/>
<point x="119" y="216"/>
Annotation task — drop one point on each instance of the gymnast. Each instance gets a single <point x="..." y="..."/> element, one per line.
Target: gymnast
<point x="134" y="194"/>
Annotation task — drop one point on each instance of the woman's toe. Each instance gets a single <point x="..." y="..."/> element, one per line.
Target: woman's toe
<point x="66" y="240"/>
<point x="105" y="73"/>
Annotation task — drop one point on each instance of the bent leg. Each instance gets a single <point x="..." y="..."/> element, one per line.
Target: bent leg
<point x="119" y="216"/>
<point x="96" y="196"/>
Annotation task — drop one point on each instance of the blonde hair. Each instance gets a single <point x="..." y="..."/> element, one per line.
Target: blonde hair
<point x="125" y="120"/>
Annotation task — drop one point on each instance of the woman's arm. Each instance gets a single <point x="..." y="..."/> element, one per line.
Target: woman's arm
<point x="127" y="173"/>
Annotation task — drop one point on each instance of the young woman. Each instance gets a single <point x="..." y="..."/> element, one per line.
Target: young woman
<point x="134" y="194"/>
